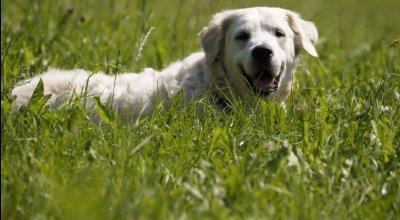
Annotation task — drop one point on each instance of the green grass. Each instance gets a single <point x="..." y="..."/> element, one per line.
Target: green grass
<point x="334" y="154"/>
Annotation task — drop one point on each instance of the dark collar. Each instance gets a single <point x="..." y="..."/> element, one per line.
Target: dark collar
<point x="221" y="103"/>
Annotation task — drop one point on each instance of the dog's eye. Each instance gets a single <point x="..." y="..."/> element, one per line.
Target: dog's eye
<point x="279" y="33"/>
<point x="242" y="36"/>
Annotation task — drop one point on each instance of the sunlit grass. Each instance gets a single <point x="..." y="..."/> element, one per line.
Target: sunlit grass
<point x="332" y="154"/>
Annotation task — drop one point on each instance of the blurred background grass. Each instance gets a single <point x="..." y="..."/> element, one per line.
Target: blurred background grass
<point x="80" y="32"/>
<point x="59" y="164"/>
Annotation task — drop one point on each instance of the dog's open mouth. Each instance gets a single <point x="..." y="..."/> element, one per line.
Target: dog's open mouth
<point x="263" y="83"/>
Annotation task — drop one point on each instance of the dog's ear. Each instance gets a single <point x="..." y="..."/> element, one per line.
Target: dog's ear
<point x="212" y="36"/>
<point x="306" y="34"/>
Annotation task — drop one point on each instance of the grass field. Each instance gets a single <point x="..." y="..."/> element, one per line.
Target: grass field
<point x="333" y="154"/>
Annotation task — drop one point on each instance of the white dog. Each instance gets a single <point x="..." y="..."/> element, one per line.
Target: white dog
<point x="248" y="53"/>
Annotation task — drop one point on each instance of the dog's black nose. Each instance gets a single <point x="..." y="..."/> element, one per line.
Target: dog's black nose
<point x="262" y="53"/>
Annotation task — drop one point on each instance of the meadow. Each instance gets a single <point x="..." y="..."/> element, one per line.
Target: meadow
<point x="334" y="153"/>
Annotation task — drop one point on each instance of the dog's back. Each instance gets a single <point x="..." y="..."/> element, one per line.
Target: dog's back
<point x="129" y="92"/>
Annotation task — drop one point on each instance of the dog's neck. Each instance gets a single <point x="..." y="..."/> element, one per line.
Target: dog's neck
<point x="194" y="77"/>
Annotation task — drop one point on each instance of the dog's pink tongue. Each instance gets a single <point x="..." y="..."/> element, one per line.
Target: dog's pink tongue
<point x="265" y="84"/>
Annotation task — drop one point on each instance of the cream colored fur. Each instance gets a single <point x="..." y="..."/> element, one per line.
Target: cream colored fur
<point x="217" y="68"/>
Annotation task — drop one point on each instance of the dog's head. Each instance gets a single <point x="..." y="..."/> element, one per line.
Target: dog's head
<point x="253" y="51"/>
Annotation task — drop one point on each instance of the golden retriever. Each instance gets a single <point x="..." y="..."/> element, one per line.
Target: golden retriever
<point x="248" y="53"/>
